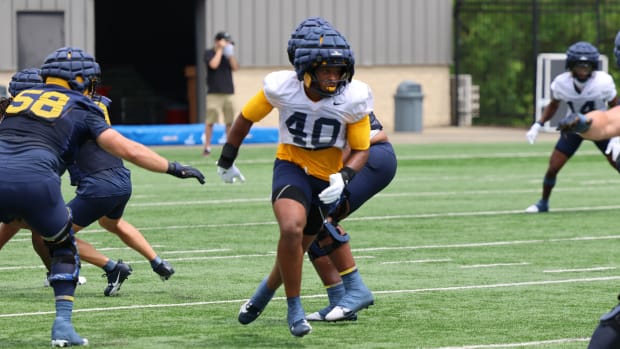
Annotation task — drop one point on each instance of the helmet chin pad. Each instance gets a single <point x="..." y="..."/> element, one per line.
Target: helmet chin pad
<point x="311" y="82"/>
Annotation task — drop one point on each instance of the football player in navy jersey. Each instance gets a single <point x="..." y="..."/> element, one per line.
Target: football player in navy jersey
<point x="22" y="80"/>
<point x="321" y="109"/>
<point x="103" y="190"/>
<point x="40" y="134"/>
<point x="584" y="88"/>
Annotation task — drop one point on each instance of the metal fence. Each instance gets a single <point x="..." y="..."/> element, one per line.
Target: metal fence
<point x="498" y="43"/>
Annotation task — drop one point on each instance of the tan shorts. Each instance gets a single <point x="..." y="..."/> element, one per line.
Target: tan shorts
<point x="220" y="103"/>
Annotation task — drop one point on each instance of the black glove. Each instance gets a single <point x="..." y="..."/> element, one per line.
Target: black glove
<point x="183" y="171"/>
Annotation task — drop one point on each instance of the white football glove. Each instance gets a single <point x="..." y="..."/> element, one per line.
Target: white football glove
<point x="533" y="132"/>
<point x="332" y="193"/>
<point x="613" y="148"/>
<point x="229" y="50"/>
<point x="230" y="175"/>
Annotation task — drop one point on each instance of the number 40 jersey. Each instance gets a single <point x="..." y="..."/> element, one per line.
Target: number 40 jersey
<point x="313" y="134"/>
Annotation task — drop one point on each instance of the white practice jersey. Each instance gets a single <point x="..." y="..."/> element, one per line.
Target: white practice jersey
<point x="595" y="95"/>
<point x="315" y="125"/>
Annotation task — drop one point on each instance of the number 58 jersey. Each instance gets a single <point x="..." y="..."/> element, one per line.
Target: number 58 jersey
<point x="313" y="134"/>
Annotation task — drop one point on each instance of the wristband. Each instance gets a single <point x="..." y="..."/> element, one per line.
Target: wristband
<point x="171" y="168"/>
<point x="583" y="125"/>
<point x="347" y="174"/>
<point x="228" y="156"/>
<point x="540" y="123"/>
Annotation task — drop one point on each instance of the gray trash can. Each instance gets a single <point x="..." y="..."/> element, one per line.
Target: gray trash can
<point x="408" y="107"/>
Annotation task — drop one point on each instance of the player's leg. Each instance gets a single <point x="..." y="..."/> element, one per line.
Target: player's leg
<point x="49" y="216"/>
<point x="133" y="238"/>
<point x="291" y="195"/>
<point x="377" y="174"/>
<point x="564" y="149"/>
<point x="38" y="244"/>
<point x="357" y="295"/>
<point x="292" y="192"/>
<point x="329" y="277"/>
<point x="7" y="231"/>
<point x="291" y="217"/>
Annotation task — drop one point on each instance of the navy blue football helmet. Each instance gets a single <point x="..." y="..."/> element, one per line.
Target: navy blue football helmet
<point x="75" y="66"/>
<point x="25" y="79"/>
<point x="322" y="45"/>
<point x="582" y="52"/>
<point x="299" y="33"/>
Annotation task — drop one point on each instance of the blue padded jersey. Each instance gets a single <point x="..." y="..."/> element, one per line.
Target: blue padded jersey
<point x="97" y="173"/>
<point x="43" y="129"/>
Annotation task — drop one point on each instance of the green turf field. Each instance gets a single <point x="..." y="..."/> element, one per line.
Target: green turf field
<point x="452" y="259"/>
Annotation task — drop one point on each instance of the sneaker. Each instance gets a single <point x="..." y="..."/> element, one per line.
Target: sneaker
<point x="317" y="316"/>
<point x="116" y="278"/>
<point x="206" y="152"/>
<point x="352" y="302"/>
<point x="164" y="270"/>
<point x="64" y="335"/>
<point x="538" y="207"/>
<point x="300" y="328"/>
<point x="248" y="313"/>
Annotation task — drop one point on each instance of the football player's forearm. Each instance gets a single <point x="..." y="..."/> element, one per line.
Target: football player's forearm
<point x="604" y="125"/>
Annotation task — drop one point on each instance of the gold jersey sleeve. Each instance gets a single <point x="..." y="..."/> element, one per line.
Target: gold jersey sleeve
<point x="257" y="107"/>
<point x="358" y="134"/>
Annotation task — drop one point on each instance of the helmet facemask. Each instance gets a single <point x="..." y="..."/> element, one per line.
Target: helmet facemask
<point x="582" y="58"/>
<point x="582" y="70"/>
<point x="321" y="78"/>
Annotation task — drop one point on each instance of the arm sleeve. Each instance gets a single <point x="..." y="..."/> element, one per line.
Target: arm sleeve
<point x="257" y="107"/>
<point x="358" y="134"/>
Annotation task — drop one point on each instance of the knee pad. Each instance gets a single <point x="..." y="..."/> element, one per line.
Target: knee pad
<point x="315" y="251"/>
<point x="328" y="240"/>
<point x="65" y="258"/>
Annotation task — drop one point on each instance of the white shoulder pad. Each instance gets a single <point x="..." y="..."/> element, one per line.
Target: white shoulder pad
<point x="606" y="84"/>
<point x="358" y="98"/>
